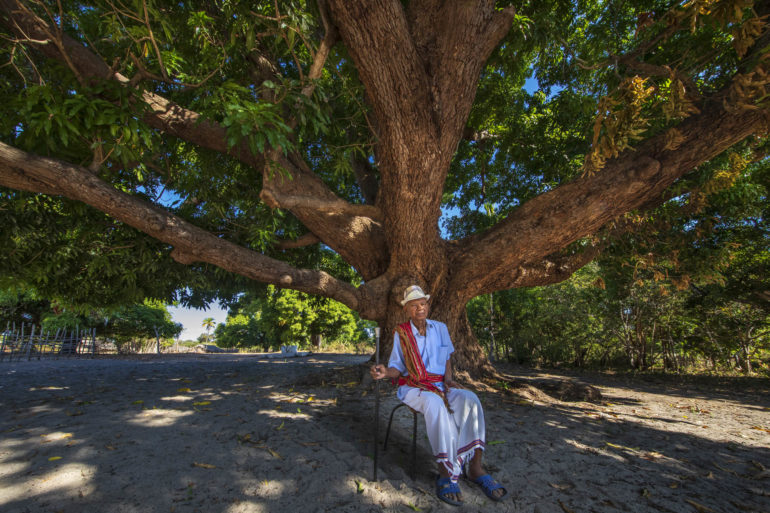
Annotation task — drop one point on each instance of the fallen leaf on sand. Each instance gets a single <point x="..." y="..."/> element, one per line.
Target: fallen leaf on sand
<point x="279" y="427"/>
<point x="565" y="508"/>
<point x="109" y="447"/>
<point x="203" y="465"/>
<point x="616" y="446"/>
<point x="562" y="486"/>
<point x="274" y="454"/>
<point x="138" y="401"/>
<point x="652" y="455"/>
<point x="54" y="458"/>
<point x="359" y="487"/>
<point x="201" y="403"/>
<point x="183" y="389"/>
<point x="413" y="507"/>
<point x="760" y="428"/>
<point x="699" y="507"/>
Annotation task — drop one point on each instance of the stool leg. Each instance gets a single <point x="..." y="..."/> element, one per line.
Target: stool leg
<point x="387" y="432"/>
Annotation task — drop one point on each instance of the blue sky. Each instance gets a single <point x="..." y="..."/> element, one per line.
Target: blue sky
<point x="192" y="319"/>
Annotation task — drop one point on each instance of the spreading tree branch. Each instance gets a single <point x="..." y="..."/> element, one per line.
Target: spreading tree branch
<point x="307" y="239"/>
<point x="22" y="170"/>
<point x="356" y="239"/>
<point x="559" y="217"/>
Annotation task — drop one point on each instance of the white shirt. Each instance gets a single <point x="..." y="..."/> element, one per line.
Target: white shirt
<point x="435" y="348"/>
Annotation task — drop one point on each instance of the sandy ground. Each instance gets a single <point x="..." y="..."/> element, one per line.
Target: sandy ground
<point x="241" y="433"/>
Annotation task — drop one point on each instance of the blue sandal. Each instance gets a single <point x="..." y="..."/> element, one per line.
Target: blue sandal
<point x="489" y="485"/>
<point x="445" y="486"/>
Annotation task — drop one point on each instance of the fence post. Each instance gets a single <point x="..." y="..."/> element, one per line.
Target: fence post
<point x="29" y="344"/>
<point x="20" y="338"/>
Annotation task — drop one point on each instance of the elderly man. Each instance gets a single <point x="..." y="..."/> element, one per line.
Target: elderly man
<point x="454" y="420"/>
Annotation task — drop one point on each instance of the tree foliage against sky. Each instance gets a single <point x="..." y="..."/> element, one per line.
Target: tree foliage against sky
<point x="217" y="142"/>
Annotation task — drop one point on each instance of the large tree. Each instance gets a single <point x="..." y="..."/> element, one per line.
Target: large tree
<point x="358" y="120"/>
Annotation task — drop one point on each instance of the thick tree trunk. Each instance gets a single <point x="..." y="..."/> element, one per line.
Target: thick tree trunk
<point x="469" y="355"/>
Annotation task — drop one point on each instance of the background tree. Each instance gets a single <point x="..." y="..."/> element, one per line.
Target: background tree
<point x="208" y="323"/>
<point x="17" y="306"/>
<point x="129" y="325"/>
<point x="235" y="134"/>
<point x="278" y="317"/>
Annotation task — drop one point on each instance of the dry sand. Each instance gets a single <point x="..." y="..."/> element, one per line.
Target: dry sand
<point x="241" y="433"/>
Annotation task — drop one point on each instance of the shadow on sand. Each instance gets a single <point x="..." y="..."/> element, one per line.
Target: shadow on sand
<point x="234" y="433"/>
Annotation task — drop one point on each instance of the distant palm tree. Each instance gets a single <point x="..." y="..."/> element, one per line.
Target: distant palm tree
<point x="208" y="323"/>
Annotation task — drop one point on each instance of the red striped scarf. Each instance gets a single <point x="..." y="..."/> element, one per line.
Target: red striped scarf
<point x="418" y="376"/>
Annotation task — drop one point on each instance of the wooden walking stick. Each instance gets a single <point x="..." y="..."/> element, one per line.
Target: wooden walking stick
<point x="376" y="402"/>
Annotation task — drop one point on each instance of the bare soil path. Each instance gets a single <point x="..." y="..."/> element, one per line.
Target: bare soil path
<point x="241" y="433"/>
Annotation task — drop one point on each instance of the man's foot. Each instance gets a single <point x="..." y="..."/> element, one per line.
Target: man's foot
<point x="475" y="473"/>
<point x="448" y="491"/>
<point x="489" y="486"/>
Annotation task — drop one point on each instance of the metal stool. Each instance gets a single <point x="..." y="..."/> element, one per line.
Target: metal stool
<point x="414" y="435"/>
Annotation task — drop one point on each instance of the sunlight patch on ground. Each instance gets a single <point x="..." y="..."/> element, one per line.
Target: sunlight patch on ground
<point x="272" y="489"/>
<point x="246" y="507"/>
<point x="12" y="467"/>
<point x="178" y="398"/>
<point x="62" y="480"/>
<point x="159" y="417"/>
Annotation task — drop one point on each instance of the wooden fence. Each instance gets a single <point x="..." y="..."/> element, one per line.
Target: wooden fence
<point x="29" y="341"/>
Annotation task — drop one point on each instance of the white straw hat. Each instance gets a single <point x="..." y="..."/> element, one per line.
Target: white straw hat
<point x="413" y="292"/>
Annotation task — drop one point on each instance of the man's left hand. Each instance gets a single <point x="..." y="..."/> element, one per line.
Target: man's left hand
<point x="451" y="384"/>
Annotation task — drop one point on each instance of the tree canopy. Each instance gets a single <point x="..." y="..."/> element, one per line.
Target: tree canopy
<point x="471" y="147"/>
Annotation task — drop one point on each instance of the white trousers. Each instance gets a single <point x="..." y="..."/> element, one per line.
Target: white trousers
<point x="453" y="437"/>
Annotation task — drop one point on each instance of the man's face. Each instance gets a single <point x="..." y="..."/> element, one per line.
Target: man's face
<point x="417" y="309"/>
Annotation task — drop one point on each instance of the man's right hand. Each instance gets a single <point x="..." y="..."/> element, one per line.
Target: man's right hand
<point x="378" y="371"/>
